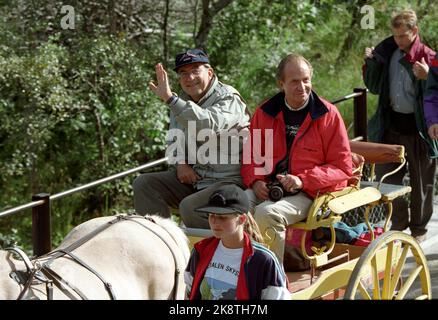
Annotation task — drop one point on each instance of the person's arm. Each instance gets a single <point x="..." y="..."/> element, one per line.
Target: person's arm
<point x="338" y="166"/>
<point x="431" y="99"/>
<point x="275" y="283"/>
<point x="162" y="87"/>
<point x="189" y="273"/>
<point x="372" y="71"/>
<point x="226" y="112"/>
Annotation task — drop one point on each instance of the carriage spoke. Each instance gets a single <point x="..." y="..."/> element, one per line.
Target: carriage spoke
<point x="386" y="293"/>
<point x="396" y="277"/>
<point x="375" y="271"/>
<point x="382" y="272"/>
<point x="364" y="291"/>
<point x="409" y="281"/>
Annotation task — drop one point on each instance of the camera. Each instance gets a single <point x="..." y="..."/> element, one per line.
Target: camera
<point x="276" y="191"/>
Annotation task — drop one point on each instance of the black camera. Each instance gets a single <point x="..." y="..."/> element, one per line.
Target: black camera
<point x="276" y="191"/>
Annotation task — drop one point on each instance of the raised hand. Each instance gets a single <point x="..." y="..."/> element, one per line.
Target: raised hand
<point x="433" y="131"/>
<point x="420" y="69"/>
<point x="162" y="88"/>
<point x="368" y="53"/>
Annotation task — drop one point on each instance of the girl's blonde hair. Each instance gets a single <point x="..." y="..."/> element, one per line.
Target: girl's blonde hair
<point x="252" y="229"/>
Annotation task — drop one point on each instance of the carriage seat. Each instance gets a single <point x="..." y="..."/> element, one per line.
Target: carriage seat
<point x="379" y="153"/>
<point x="329" y="208"/>
<point x="389" y="191"/>
<point x="375" y="153"/>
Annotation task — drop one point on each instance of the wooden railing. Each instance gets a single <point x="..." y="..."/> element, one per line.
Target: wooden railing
<point x="41" y="203"/>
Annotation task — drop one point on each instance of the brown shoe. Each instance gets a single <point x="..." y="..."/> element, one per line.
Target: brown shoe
<point x="420" y="238"/>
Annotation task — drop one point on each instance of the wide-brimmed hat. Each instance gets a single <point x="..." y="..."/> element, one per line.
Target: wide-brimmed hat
<point x="190" y="56"/>
<point x="227" y="199"/>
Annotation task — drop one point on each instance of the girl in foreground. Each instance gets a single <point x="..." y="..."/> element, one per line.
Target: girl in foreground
<point x="230" y="265"/>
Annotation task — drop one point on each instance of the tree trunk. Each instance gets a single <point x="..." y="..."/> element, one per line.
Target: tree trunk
<point x="99" y="134"/>
<point x="113" y="18"/>
<point x="208" y="13"/>
<point x="165" y="27"/>
<point x="352" y="31"/>
<point x="195" y="18"/>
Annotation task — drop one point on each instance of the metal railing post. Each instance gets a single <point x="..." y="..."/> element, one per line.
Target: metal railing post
<point x="360" y="114"/>
<point x="41" y="225"/>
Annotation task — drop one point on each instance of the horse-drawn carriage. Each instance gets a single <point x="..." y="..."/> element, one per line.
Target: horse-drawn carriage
<point x="337" y="270"/>
<point x="113" y="257"/>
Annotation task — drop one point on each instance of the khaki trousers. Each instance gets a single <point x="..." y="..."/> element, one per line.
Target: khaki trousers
<point x="273" y="217"/>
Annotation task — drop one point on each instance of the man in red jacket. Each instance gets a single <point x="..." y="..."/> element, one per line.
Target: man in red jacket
<point x="309" y="147"/>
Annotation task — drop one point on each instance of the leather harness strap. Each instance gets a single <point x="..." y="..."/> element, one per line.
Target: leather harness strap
<point x="107" y="285"/>
<point x="68" y="251"/>
<point x="177" y="270"/>
<point x="61" y="283"/>
<point x="33" y="271"/>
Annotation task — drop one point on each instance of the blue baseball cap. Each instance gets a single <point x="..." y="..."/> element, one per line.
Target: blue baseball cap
<point x="190" y="56"/>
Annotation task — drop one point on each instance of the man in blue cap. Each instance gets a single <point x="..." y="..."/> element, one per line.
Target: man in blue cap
<point x="204" y="104"/>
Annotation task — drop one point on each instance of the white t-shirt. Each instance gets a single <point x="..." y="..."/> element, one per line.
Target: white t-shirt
<point x="220" y="279"/>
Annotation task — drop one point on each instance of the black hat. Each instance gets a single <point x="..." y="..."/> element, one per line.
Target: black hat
<point x="190" y="56"/>
<point x="227" y="199"/>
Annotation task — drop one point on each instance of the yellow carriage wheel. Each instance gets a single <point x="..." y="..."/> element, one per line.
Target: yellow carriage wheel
<point x="382" y="273"/>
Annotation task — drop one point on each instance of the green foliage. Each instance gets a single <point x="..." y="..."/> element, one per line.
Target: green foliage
<point x="72" y="118"/>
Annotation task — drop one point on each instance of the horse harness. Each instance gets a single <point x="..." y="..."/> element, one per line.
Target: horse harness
<point x="37" y="272"/>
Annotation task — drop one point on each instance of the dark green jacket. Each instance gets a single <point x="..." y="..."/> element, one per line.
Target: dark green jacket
<point x="376" y="78"/>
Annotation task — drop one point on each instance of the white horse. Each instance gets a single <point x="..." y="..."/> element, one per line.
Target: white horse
<point x="122" y="257"/>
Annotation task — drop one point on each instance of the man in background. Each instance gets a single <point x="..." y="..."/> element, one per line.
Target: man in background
<point x="396" y="70"/>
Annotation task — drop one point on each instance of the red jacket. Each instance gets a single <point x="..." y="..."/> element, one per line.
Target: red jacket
<point x="260" y="275"/>
<point x="320" y="155"/>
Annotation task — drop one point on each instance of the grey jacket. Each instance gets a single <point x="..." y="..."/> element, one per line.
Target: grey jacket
<point x="218" y="123"/>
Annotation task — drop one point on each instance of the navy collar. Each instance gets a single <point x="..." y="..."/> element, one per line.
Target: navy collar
<point x="317" y="108"/>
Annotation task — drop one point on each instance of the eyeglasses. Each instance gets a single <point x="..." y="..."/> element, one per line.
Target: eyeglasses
<point x="195" y="72"/>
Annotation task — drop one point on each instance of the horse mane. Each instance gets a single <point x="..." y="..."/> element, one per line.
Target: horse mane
<point x="175" y="232"/>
